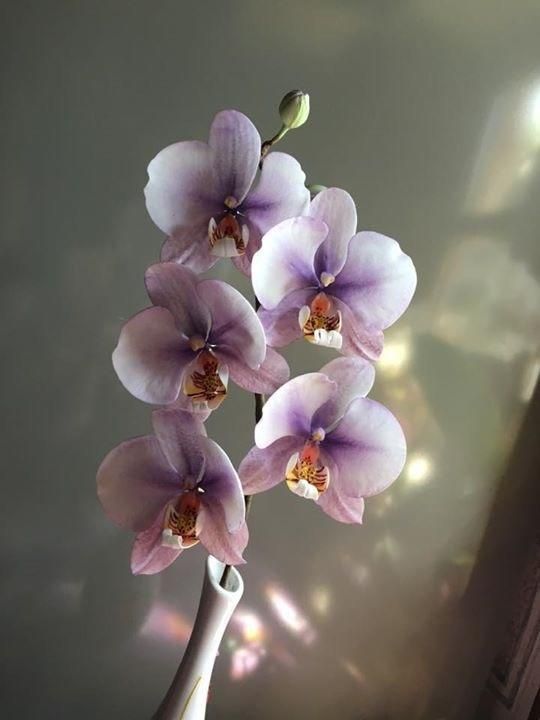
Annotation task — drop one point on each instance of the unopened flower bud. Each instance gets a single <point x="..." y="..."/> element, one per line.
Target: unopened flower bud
<point x="294" y="109"/>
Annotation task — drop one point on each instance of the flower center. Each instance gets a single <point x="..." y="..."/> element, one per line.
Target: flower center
<point x="179" y="527"/>
<point x="320" y="323"/>
<point x="306" y="475"/>
<point x="206" y="385"/>
<point x="228" y="238"/>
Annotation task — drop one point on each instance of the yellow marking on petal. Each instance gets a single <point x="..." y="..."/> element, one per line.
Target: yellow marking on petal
<point x="322" y="325"/>
<point x="207" y="383"/>
<point x="227" y="237"/>
<point x="306" y="475"/>
<point x="180" y="525"/>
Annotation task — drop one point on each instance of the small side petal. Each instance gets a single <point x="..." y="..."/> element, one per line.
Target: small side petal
<point x="338" y="506"/>
<point x="236" y="149"/>
<point x="285" y="261"/>
<point x="377" y="281"/>
<point x="262" y="469"/>
<point x="336" y="208"/>
<point x="148" y="556"/>
<point x="368" y="446"/>
<point x="174" y="287"/>
<point x="151" y="356"/>
<point x="354" y="377"/>
<point x="179" y="188"/>
<point x="235" y="324"/>
<point x="178" y="434"/>
<point x="134" y="482"/>
<point x="281" y="325"/>
<point x="290" y="410"/>
<point x="269" y="376"/>
<point x="213" y="533"/>
<point x="279" y="194"/>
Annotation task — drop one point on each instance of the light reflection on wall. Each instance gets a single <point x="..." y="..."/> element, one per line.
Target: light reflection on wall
<point x="508" y="152"/>
<point x="289" y="615"/>
<point x="166" y="623"/>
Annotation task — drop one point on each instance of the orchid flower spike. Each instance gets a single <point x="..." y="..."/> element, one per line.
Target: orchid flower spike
<point x="316" y="278"/>
<point x="198" y="334"/>
<point x="174" y="489"/>
<point x="321" y="436"/>
<point x="210" y="201"/>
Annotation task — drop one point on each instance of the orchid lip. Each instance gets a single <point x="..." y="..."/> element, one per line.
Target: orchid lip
<point x="180" y="523"/>
<point x="228" y="238"/>
<point x="305" y="475"/>
<point x="206" y="384"/>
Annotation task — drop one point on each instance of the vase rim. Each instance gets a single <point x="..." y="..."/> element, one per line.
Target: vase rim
<point x="214" y="570"/>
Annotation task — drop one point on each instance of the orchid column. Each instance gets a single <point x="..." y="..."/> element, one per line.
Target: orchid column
<point x="314" y="277"/>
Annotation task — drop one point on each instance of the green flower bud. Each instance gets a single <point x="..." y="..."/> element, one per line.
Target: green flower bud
<point x="294" y="109"/>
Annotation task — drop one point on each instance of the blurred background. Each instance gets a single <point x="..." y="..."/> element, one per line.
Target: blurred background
<point x="428" y="113"/>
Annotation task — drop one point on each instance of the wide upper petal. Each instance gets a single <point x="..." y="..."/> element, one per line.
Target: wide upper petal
<point x="336" y="208"/>
<point x="281" y="325"/>
<point x="290" y="410"/>
<point x="213" y="533"/>
<point x="269" y="376"/>
<point x="285" y="261"/>
<point x="263" y="468"/>
<point x="151" y="356"/>
<point x="174" y="287"/>
<point x="354" y="377"/>
<point x="280" y="192"/>
<point x="235" y="324"/>
<point x="148" y="555"/>
<point x="369" y="448"/>
<point x="181" y="191"/>
<point x="135" y="481"/>
<point x="377" y="281"/>
<point x="221" y="484"/>
<point x="190" y="247"/>
<point x="178" y="433"/>
<point x="235" y="146"/>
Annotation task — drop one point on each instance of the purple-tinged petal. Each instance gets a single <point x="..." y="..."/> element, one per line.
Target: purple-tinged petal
<point x="336" y="208"/>
<point x="377" y="281"/>
<point x="340" y="507"/>
<point x="181" y="190"/>
<point x="135" y="481"/>
<point x="271" y="374"/>
<point x="213" y="533"/>
<point x="290" y="410"/>
<point x="179" y="434"/>
<point x="358" y="339"/>
<point x="236" y="151"/>
<point x="285" y="261"/>
<point x="148" y="556"/>
<point x="221" y="484"/>
<point x="369" y="448"/>
<point x="262" y="469"/>
<point x="234" y="322"/>
<point x="281" y="325"/>
<point x="354" y="377"/>
<point x="174" y="287"/>
<point x="279" y="194"/>
<point x="151" y="356"/>
<point x="190" y="247"/>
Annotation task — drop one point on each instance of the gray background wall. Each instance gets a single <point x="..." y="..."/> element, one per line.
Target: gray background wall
<point x="428" y="112"/>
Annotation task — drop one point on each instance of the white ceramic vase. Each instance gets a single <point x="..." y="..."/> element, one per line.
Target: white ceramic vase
<point x="188" y="693"/>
